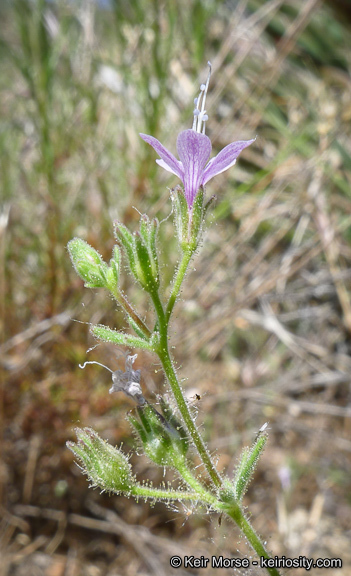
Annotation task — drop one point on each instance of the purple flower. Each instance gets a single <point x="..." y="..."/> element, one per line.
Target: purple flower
<point x="194" y="148"/>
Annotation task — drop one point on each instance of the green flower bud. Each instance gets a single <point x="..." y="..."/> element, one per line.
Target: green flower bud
<point x="164" y="440"/>
<point x="140" y="250"/>
<point x="88" y="264"/>
<point x="106" y="466"/>
<point x="126" y="241"/>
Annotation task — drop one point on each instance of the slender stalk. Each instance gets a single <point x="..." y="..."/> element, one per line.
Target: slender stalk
<point x="189" y="422"/>
<point x="149" y="492"/>
<point x="202" y="493"/>
<point x="234" y="512"/>
<point x="238" y="516"/>
<point x="164" y="355"/>
<point x="178" y="282"/>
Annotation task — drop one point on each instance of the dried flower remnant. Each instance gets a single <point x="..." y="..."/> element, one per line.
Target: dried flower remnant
<point x="194" y="149"/>
<point x="127" y="382"/>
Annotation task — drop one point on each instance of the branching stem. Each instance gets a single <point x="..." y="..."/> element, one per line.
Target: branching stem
<point x="233" y="510"/>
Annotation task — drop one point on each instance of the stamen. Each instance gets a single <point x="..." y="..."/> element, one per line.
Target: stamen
<point x="93" y="362"/>
<point x="196" y="111"/>
<point x="200" y="116"/>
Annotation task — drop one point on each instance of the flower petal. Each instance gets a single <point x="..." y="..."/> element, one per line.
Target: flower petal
<point x="173" y="165"/>
<point x="224" y="159"/>
<point x="194" y="150"/>
<point x="165" y="166"/>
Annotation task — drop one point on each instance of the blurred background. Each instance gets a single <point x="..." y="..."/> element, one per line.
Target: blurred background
<point x="264" y="330"/>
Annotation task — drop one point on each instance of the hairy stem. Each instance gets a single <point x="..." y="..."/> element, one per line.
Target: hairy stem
<point x="188" y="419"/>
<point x="164" y="355"/>
<point x="157" y="494"/>
<point x="178" y="282"/>
<point x="202" y="493"/>
<point x="236" y="513"/>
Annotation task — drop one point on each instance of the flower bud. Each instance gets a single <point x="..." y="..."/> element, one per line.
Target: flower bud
<point x="106" y="466"/>
<point x="126" y="241"/>
<point x="88" y="263"/>
<point x="140" y="250"/>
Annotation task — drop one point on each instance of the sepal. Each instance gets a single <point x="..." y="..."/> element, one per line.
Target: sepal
<point x="189" y="224"/>
<point x="114" y="270"/>
<point x="181" y="217"/>
<point x="232" y="492"/>
<point x="163" y="438"/>
<point x="247" y="465"/>
<point x="126" y="241"/>
<point x="180" y="435"/>
<point x="197" y="219"/>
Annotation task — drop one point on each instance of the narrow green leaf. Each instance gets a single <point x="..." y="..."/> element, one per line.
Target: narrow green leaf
<point x="120" y="338"/>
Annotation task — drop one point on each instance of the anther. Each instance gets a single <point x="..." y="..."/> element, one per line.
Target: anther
<point x="200" y="116"/>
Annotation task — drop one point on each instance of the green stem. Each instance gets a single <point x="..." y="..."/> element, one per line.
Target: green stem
<point x="149" y="492"/>
<point x="238" y="516"/>
<point x="189" y="422"/>
<point x="178" y="282"/>
<point x="234" y="511"/>
<point x="163" y="353"/>
<point x="202" y="493"/>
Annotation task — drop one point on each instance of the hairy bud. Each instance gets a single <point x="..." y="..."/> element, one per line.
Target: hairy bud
<point x="106" y="466"/>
